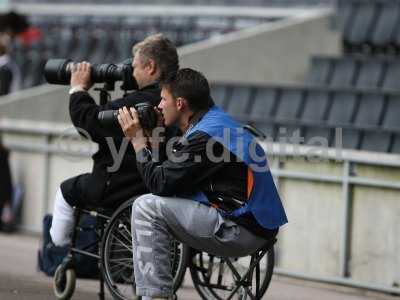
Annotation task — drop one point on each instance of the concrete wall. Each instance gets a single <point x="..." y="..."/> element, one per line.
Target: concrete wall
<point x="42" y="103"/>
<point x="311" y="242"/>
<point x="376" y="229"/>
<point x="277" y="52"/>
<point x="39" y="164"/>
<point x="47" y="103"/>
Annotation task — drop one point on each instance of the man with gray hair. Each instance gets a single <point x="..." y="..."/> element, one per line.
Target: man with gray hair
<point x="154" y="59"/>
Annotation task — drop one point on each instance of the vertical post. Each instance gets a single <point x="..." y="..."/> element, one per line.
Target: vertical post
<point x="46" y="179"/>
<point x="346" y="220"/>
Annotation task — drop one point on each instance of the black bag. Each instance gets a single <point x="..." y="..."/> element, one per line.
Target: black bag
<point x="51" y="256"/>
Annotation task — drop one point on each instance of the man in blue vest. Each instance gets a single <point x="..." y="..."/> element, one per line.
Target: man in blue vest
<point x="212" y="191"/>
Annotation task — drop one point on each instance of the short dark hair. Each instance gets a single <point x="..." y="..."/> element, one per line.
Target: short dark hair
<point x="14" y="22"/>
<point x="160" y="49"/>
<point x="191" y="85"/>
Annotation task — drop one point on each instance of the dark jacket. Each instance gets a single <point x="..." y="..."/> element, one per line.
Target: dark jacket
<point x="10" y="77"/>
<point x="224" y="183"/>
<point x="102" y="187"/>
<point x="5" y="178"/>
<point x="5" y="80"/>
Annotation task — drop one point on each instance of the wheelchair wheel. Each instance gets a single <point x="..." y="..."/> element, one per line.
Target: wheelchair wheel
<point x="214" y="280"/>
<point x="64" y="283"/>
<point x="117" y="256"/>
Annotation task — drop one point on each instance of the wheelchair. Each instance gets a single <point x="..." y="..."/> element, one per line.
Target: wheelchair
<point x="222" y="278"/>
<point x="114" y="253"/>
<point x="214" y="277"/>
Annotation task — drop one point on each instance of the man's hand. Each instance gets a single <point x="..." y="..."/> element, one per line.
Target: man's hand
<point x="160" y="117"/>
<point x="80" y="75"/>
<point x="130" y="125"/>
<point x="157" y="135"/>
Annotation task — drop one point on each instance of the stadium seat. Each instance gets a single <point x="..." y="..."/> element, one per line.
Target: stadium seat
<point x="382" y="35"/>
<point x="240" y="100"/>
<point x="264" y="104"/>
<point x="344" y="72"/>
<point x="376" y="141"/>
<point x="395" y="145"/>
<point x="392" y="77"/>
<point x="351" y="138"/>
<point x="391" y="120"/>
<point x="320" y="71"/>
<point x="370" y="74"/>
<point x="263" y="110"/>
<point x="219" y="95"/>
<point x="361" y="24"/>
<point x="343" y="107"/>
<point x="370" y="110"/>
<point x="315" y="106"/>
<point x="318" y="136"/>
<point x="290" y="104"/>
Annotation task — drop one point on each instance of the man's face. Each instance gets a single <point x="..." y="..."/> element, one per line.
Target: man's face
<point x="140" y="71"/>
<point x="168" y="107"/>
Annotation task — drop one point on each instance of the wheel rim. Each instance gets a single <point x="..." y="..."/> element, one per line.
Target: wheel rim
<point x="214" y="280"/>
<point x="118" y="250"/>
<point x="118" y="257"/>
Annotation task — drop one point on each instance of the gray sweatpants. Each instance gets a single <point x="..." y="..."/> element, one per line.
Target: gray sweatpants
<point x="155" y="220"/>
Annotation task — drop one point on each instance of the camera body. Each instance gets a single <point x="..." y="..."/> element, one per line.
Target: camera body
<point x="58" y="71"/>
<point x="146" y="113"/>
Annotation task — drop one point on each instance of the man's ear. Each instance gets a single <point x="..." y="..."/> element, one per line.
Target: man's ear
<point x="151" y="66"/>
<point x="181" y="103"/>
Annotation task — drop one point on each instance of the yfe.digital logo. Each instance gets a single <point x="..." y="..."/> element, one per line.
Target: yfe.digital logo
<point x="75" y="146"/>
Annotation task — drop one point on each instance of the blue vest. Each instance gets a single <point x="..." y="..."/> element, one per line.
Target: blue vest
<point x="264" y="202"/>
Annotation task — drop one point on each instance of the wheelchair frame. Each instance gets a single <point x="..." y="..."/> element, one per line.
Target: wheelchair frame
<point x="201" y="274"/>
<point x="65" y="271"/>
<point x="65" y="277"/>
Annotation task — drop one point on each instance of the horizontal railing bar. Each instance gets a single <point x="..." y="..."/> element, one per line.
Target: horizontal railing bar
<point x="159" y="10"/>
<point x="274" y="149"/>
<point x="45" y="149"/>
<point x="284" y="150"/>
<point x="339" y="281"/>
<point x="307" y="176"/>
<point x="354" y="180"/>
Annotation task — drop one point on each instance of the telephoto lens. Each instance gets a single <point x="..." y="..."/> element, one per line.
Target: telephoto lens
<point x="58" y="71"/>
<point x="147" y="116"/>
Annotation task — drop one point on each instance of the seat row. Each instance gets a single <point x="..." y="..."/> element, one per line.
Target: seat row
<point x="104" y="39"/>
<point x="370" y="26"/>
<point x="368" y="120"/>
<point x="355" y="71"/>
